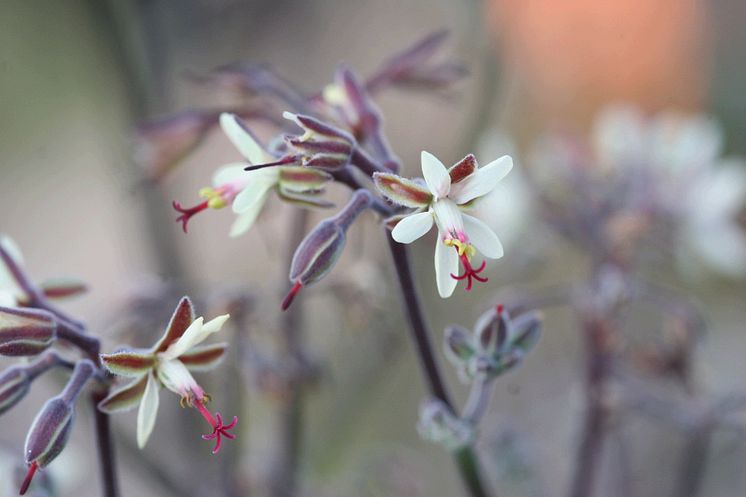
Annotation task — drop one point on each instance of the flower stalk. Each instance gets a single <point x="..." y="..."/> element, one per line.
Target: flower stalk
<point x="465" y="457"/>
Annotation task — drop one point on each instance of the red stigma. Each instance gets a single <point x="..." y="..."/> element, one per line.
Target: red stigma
<point x="219" y="430"/>
<point x="470" y="273"/>
<point x="499" y="308"/>
<point x="291" y="295"/>
<point x="29" y="476"/>
<point x="187" y="213"/>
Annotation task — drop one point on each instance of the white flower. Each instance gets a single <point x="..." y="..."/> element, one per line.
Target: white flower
<point x="448" y="194"/>
<point x="167" y="363"/>
<point x="247" y="191"/>
<point x="690" y="185"/>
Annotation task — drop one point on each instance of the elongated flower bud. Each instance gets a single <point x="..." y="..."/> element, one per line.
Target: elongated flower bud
<point x="321" y="248"/>
<point x="25" y="332"/>
<point x="51" y="427"/>
<point x="322" y="145"/>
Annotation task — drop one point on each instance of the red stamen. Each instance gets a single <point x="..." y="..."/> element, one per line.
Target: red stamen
<point x="290" y="159"/>
<point x="29" y="476"/>
<point x="219" y="430"/>
<point x="291" y="295"/>
<point x="187" y="213"/>
<point x="469" y="272"/>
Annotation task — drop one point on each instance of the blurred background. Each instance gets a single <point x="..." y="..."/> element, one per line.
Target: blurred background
<point x="75" y="78"/>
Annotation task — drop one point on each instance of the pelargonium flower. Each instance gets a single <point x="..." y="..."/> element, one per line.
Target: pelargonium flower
<point x="448" y="194"/>
<point x="168" y="363"/>
<point x="247" y="191"/>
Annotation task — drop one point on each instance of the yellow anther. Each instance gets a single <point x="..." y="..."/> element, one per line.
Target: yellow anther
<point x="463" y="248"/>
<point x="214" y="198"/>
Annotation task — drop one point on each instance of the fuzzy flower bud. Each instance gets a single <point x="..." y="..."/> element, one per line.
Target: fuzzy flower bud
<point x="50" y="430"/>
<point x="15" y="381"/>
<point x="320" y="249"/>
<point x="25" y="332"/>
<point x="498" y="343"/>
<point x="322" y="145"/>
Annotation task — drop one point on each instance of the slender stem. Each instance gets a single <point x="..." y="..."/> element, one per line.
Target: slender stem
<point x="105" y="444"/>
<point x="478" y="401"/>
<point x="587" y="461"/>
<point x="285" y="478"/>
<point x="465" y="458"/>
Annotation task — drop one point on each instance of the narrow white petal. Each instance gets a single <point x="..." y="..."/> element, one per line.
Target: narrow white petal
<point x="185" y="341"/>
<point x="242" y="139"/>
<point x="245" y="219"/>
<point x="435" y="174"/>
<point x="412" y="227"/>
<point x="483" y="181"/>
<point x="482" y="237"/>
<point x="177" y="378"/>
<point x="147" y="413"/>
<point x="257" y="184"/>
<point x="446" y="263"/>
<point x="195" y="334"/>
<point x="448" y="217"/>
<point x="230" y="173"/>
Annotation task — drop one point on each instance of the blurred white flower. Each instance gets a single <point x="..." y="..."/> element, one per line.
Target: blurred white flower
<point x="689" y="184"/>
<point x="10" y="292"/>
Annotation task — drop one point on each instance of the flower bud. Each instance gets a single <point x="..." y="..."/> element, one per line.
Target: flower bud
<point x="321" y="146"/>
<point x="51" y="428"/>
<point x="438" y="424"/>
<point x="14" y="385"/>
<point x="25" y="332"/>
<point x="49" y="432"/>
<point x="320" y="249"/>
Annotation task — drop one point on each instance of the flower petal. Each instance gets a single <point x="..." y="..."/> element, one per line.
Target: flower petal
<point x="230" y="173"/>
<point x="177" y="378"/>
<point x="301" y="179"/>
<point x="243" y="140"/>
<point x="147" y="413"/>
<point x="436" y="175"/>
<point x="412" y="227"/>
<point x="203" y="357"/>
<point x="482" y="237"/>
<point x="124" y="398"/>
<point x="132" y="364"/>
<point x="402" y="191"/>
<point x="258" y="182"/>
<point x="446" y="263"/>
<point x="195" y="334"/>
<point x="246" y="218"/>
<point x="482" y="181"/>
<point x="182" y="317"/>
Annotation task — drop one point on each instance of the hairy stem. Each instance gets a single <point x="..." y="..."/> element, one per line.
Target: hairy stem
<point x="285" y="478"/>
<point x="465" y="458"/>
<point x="478" y="401"/>
<point x="598" y="362"/>
<point x="105" y="444"/>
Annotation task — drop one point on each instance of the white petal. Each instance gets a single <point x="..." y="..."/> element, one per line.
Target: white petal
<point x="230" y="173"/>
<point x="722" y="246"/>
<point x="257" y="184"/>
<point x="147" y="412"/>
<point x="482" y="237"/>
<point x="446" y="263"/>
<point x="177" y="378"/>
<point x="412" y="227"/>
<point x="243" y="140"/>
<point x="196" y="333"/>
<point x="245" y="219"/>
<point x="482" y="181"/>
<point x="436" y="175"/>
